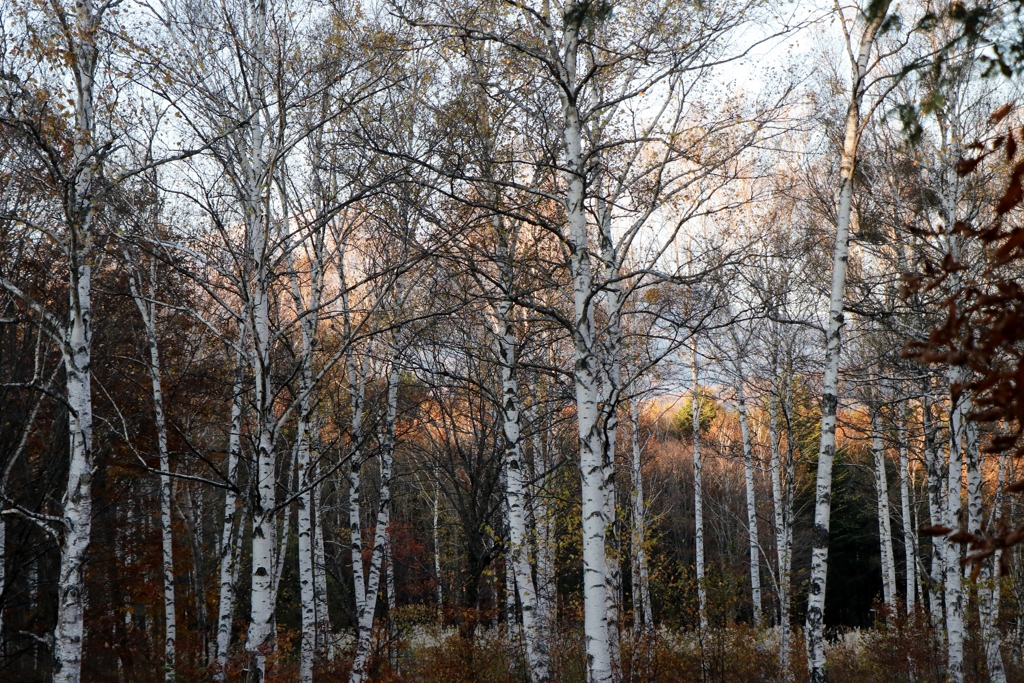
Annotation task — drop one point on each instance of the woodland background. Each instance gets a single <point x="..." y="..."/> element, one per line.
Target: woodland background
<point x="510" y="341"/>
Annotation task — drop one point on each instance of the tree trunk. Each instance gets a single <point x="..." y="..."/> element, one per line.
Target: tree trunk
<point x="369" y="603"/>
<point x="586" y="372"/>
<point x="307" y="580"/>
<point x="643" y="614"/>
<point x="988" y="593"/>
<point x="77" y="355"/>
<point x="884" y="523"/>
<point x="544" y="536"/>
<point x="231" y="531"/>
<point x="145" y="302"/>
<point x="815" y="626"/>
<point x="324" y="630"/>
<point x="698" y="497"/>
<point x="779" y="506"/>
<point x="517" y="557"/>
<point x="357" y="389"/>
<point x="437" y="551"/>
<point x="748" y="475"/>
<point x="909" y="541"/>
<point x="936" y="514"/>
<point x="954" y="592"/>
<point x="389" y="580"/>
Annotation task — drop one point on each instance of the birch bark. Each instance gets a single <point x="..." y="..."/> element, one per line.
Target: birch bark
<point x="779" y="508"/>
<point x="815" y="624"/>
<point x="389" y="580"/>
<point x="309" y="317"/>
<point x="77" y="350"/>
<point x="586" y="374"/>
<point x="988" y="593"/>
<point x="643" y="613"/>
<point x="544" y="536"/>
<point x="357" y="392"/>
<point x="884" y="523"/>
<point x="954" y="593"/>
<point x="909" y="540"/>
<point x="518" y="555"/>
<point x="145" y="302"/>
<point x="748" y="476"/>
<point x="324" y="630"/>
<point x="936" y="513"/>
<point x="254" y="185"/>
<point x="230" y="542"/>
<point x="369" y="603"/>
<point x="698" y="498"/>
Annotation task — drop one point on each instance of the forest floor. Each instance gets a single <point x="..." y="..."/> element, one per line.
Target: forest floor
<point x="903" y="650"/>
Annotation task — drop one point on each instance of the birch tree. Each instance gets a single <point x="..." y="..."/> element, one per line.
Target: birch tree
<point x="882" y="497"/>
<point x="75" y="60"/>
<point x="860" y="65"/>
<point x="143" y="284"/>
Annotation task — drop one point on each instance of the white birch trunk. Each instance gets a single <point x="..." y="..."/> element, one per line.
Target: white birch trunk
<point x="145" y="302"/>
<point x="256" y="180"/>
<point x="166" y="533"/>
<point x="307" y="581"/>
<point x="988" y="593"/>
<point x="909" y="541"/>
<point x="815" y="624"/>
<point x="372" y="587"/>
<point x="586" y="376"/>
<point x="306" y="468"/>
<point x="936" y="514"/>
<point x="884" y="523"/>
<point x="77" y="355"/>
<point x="357" y="389"/>
<point x="612" y="363"/>
<point x="517" y="557"/>
<point x="324" y="631"/>
<point x="231" y="529"/>
<point x="698" y="498"/>
<point x="643" y="614"/>
<point x="544" y="536"/>
<point x="264" y="525"/>
<point x="511" y="622"/>
<point x="389" y="578"/>
<point x="779" y="508"/>
<point x="748" y="475"/>
<point x="953" y="580"/>
<point x="586" y="369"/>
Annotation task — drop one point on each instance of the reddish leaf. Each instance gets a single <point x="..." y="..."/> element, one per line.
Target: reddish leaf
<point x="1000" y="114"/>
<point x="963" y="537"/>
<point x="936" y="530"/>
<point x="1014" y="192"/>
<point x="965" y="166"/>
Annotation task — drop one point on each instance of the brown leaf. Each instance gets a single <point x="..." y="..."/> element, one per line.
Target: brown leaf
<point x="1016" y="487"/>
<point x="1014" y="191"/>
<point x="963" y="537"/>
<point x="936" y="530"/>
<point x="965" y="166"/>
<point x="1000" y="114"/>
